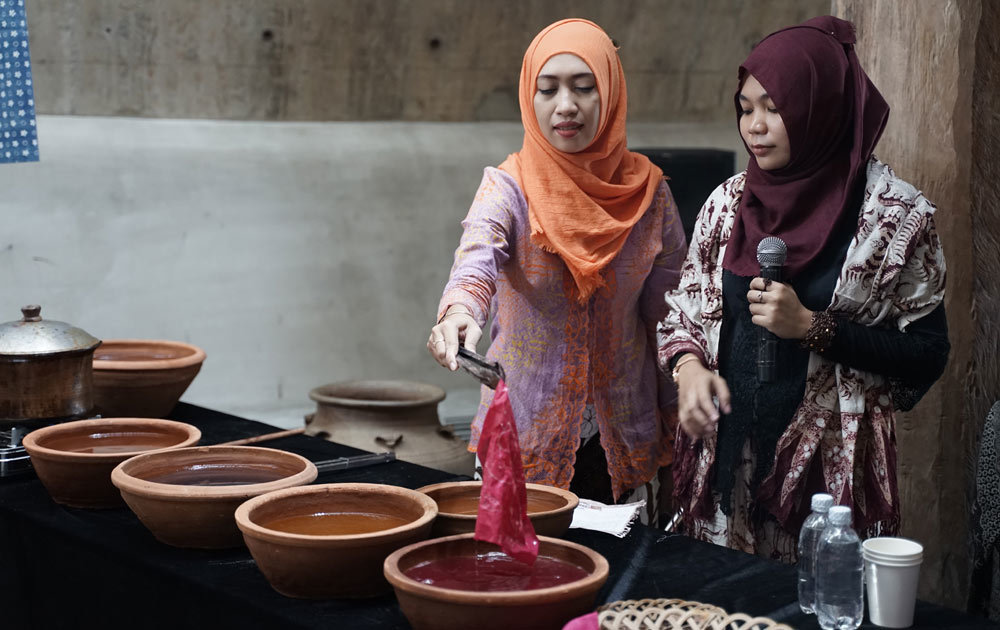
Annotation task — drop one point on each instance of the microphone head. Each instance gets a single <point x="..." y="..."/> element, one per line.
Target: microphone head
<point x="771" y="252"/>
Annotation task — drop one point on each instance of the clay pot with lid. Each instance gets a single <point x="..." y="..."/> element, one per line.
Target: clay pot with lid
<point x="45" y="369"/>
<point x="397" y="416"/>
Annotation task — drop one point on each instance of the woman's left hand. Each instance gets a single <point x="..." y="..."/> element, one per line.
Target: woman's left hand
<point x="776" y="307"/>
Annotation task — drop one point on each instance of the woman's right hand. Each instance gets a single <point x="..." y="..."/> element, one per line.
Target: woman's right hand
<point x="456" y="326"/>
<point x="696" y="386"/>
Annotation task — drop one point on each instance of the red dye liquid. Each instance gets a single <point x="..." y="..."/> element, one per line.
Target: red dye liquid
<point x="495" y="571"/>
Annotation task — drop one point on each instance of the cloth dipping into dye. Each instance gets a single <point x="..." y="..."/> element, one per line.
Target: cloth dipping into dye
<point x="503" y="504"/>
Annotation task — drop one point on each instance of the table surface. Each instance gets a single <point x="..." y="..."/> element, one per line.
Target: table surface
<point x="65" y="567"/>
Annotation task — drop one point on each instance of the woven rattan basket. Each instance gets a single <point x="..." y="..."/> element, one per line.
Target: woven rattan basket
<point x="677" y="614"/>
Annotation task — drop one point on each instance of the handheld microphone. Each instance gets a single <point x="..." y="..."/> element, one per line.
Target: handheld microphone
<point x="771" y="253"/>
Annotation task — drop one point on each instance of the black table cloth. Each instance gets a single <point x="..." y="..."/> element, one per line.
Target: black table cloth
<point x="64" y="567"/>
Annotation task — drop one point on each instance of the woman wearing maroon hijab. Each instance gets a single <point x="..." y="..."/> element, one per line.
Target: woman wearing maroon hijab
<point x="859" y="316"/>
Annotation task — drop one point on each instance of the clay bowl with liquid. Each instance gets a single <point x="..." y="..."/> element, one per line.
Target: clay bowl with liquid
<point x="330" y="541"/>
<point x="187" y="497"/>
<point x="74" y="460"/>
<point x="550" y="509"/>
<point x="457" y="582"/>
<point x="143" y="377"/>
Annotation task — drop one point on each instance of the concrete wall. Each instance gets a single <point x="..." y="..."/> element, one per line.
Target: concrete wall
<point x="427" y="60"/>
<point x="300" y="254"/>
<point x="296" y="254"/>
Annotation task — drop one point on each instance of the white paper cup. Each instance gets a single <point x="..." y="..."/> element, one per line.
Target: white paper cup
<point x="892" y="568"/>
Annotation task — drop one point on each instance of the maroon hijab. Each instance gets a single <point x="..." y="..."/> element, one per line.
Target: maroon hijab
<point x="834" y="117"/>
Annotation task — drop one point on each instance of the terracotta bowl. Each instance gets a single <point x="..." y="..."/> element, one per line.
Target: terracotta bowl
<point x="550" y="509"/>
<point x="438" y="608"/>
<point x="187" y="497"/>
<point x="74" y="460"/>
<point x="330" y="540"/>
<point x="142" y="377"/>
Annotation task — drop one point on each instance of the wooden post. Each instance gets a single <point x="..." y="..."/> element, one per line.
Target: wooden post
<point x="933" y="62"/>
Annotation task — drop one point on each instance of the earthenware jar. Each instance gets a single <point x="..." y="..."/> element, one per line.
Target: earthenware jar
<point x="398" y="416"/>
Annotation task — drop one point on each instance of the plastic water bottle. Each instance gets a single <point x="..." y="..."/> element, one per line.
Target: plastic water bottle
<point x="808" y="539"/>
<point x="840" y="587"/>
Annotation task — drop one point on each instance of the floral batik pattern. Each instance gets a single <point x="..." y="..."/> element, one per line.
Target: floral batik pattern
<point x="560" y="355"/>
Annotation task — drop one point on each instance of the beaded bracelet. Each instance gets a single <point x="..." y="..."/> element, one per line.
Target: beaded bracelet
<point x="821" y="332"/>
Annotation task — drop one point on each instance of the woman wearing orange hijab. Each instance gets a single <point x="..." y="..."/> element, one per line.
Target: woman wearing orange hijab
<point x="571" y="245"/>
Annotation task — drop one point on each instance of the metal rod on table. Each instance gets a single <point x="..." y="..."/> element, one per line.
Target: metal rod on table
<point x="341" y="463"/>
<point x="355" y="461"/>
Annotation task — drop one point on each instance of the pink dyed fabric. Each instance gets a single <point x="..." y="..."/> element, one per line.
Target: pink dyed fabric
<point x="587" y="622"/>
<point x="503" y="503"/>
<point x="559" y="354"/>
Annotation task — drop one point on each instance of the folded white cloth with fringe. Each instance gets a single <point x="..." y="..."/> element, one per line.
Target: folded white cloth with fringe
<point x="611" y="519"/>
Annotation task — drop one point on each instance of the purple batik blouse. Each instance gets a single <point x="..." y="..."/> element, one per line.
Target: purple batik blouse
<point x="560" y="355"/>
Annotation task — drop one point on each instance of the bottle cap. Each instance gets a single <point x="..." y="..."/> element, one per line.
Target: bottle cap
<point x="821" y="502"/>
<point x="840" y="515"/>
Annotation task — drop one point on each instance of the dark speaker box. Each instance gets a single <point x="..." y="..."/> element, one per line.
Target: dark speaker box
<point x="694" y="174"/>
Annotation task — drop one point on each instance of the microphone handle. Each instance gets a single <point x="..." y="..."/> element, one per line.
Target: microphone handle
<point x="767" y="345"/>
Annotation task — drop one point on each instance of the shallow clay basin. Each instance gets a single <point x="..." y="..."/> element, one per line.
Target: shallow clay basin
<point x="74" y="460"/>
<point x="550" y="509"/>
<point x="438" y="608"/>
<point x="331" y="540"/>
<point x="187" y="497"/>
<point x="143" y="377"/>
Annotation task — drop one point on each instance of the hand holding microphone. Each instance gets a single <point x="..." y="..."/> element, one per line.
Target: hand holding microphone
<point x="774" y="307"/>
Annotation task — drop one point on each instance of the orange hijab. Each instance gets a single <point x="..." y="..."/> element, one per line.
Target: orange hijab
<point x="581" y="206"/>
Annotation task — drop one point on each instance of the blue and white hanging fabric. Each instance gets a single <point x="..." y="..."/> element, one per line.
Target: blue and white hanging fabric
<point x="18" y="136"/>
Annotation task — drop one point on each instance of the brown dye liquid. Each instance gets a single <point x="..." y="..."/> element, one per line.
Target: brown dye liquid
<point x="118" y="442"/>
<point x="142" y="353"/>
<point x="335" y="523"/>
<point x="459" y="505"/>
<point x="469" y="504"/>
<point x="217" y="475"/>
<point x="495" y="571"/>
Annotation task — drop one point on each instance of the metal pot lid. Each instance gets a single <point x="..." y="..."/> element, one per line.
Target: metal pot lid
<point x="31" y="335"/>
